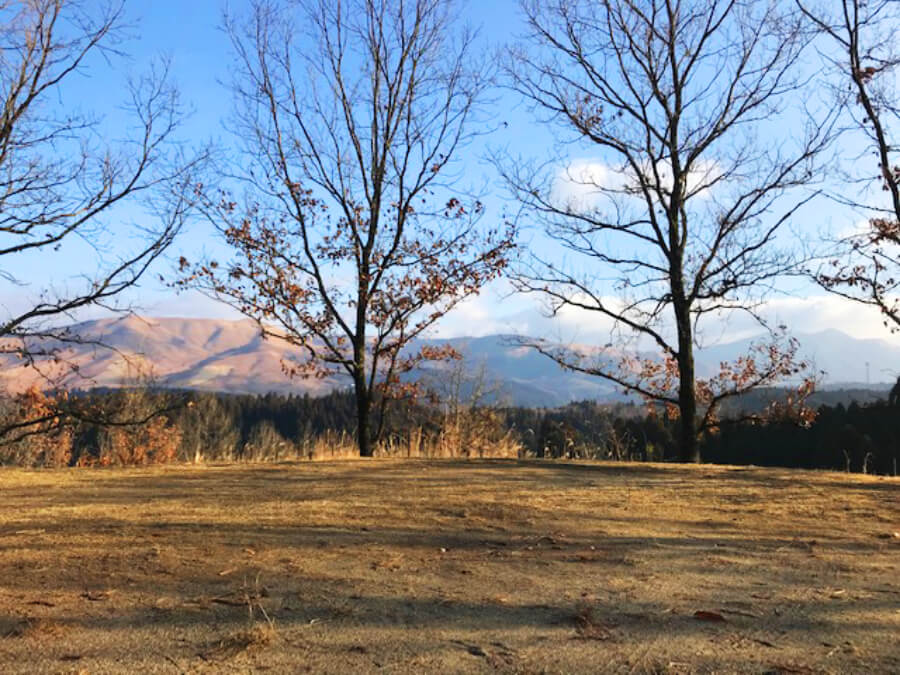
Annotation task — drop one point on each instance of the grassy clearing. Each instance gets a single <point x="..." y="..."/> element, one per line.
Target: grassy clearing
<point x="448" y="566"/>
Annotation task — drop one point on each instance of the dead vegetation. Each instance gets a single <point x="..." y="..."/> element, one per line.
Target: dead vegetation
<point x="30" y="627"/>
<point x="241" y="642"/>
<point x="588" y="627"/>
<point x="448" y="566"/>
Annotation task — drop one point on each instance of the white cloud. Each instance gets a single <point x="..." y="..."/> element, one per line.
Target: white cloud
<point x="582" y="183"/>
<point x="828" y="312"/>
<point x="579" y="185"/>
<point x="854" y="229"/>
<point x="493" y="312"/>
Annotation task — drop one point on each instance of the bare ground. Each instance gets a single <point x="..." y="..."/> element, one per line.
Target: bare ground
<point x="449" y="566"/>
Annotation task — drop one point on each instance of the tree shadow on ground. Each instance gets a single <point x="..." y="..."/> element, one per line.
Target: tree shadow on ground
<point x="486" y="547"/>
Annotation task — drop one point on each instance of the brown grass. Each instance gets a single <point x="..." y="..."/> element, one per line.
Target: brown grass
<point x="248" y="640"/>
<point x="36" y="628"/>
<point x="448" y="566"/>
<point x="588" y="627"/>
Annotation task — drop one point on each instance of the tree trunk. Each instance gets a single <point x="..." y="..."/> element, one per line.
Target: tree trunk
<point x="363" y="410"/>
<point x="689" y="448"/>
<point x="363" y="392"/>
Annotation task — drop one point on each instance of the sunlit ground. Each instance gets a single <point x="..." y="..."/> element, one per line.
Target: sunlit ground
<point x="448" y="566"/>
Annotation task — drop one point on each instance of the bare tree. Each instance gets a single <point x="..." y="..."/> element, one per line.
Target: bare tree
<point x="864" y="33"/>
<point x="679" y="215"/>
<point x="60" y="183"/>
<point x="353" y="238"/>
<point x="468" y="402"/>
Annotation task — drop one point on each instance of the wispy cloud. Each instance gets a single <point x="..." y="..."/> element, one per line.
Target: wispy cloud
<point x="494" y="312"/>
<point x="584" y="183"/>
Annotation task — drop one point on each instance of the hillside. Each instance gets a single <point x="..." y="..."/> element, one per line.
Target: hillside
<point x="230" y="356"/>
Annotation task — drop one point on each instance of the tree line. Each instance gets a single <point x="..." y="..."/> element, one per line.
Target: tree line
<point x="844" y="437"/>
<point x="218" y="427"/>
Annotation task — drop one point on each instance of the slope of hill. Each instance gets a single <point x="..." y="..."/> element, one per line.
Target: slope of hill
<point x="209" y="354"/>
<point x="843" y="358"/>
<point x="219" y="355"/>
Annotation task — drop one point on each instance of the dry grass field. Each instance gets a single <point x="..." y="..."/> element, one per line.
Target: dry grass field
<point x="449" y="566"/>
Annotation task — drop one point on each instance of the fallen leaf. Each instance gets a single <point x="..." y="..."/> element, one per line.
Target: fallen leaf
<point x="231" y="602"/>
<point x="779" y="669"/>
<point x="473" y="649"/>
<point x="702" y="615"/>
<point x="738" y="612"/>
<point x="95" y="596"/>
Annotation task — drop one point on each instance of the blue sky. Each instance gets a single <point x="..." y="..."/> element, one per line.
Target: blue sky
<point x="189" y="34"/>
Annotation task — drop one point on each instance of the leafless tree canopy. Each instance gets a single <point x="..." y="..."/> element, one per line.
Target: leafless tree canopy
<point x="679" y="213"/>
<point x="353" y="236"/>
<point x="863" y="36"/>
<point x="60" y="181"/>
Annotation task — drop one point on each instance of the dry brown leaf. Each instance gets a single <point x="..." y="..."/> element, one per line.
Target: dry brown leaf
<point x="702" y="615"/>
<point x="96" y="596"/>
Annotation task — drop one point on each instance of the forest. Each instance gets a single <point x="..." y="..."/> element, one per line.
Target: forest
<point x="194" y="426"/>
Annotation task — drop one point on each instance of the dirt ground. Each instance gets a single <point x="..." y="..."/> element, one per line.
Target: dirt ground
<point x="449" y="566"/>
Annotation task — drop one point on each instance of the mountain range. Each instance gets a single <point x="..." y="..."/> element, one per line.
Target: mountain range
<point x="231" y="356"/>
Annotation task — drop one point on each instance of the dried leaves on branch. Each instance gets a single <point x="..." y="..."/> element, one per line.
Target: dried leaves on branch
<point x="678" y="215"/>
<point x="863" y="36"/>
<point x="128" y="427"/>
<point x="353" y="234"/>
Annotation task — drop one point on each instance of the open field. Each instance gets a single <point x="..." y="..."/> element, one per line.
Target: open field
<point x="449" y="566"/>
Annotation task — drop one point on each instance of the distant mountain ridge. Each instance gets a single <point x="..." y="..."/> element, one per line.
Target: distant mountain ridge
<point x="231" y="356"/>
